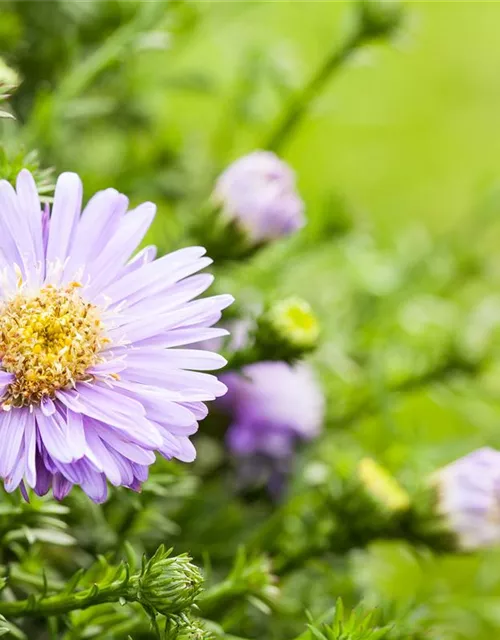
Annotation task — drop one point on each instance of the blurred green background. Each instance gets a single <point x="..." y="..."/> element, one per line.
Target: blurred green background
<point x="405" y="132"/>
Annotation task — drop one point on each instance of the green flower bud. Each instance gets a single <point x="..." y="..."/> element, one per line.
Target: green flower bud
<point x="193" y="630"/>
<point x="8" y="77"/>
<point x="168" y="584"/>
<point x="381" y="487"/>
<point x="287" y="329"/>
<point x="380" y="17"/>
<point x="8" y="81"/>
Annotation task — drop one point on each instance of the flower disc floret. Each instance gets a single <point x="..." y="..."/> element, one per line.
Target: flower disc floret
<point x="48" y="340"/>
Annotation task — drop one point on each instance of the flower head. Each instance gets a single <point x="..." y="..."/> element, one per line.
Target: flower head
<point x="287" y="329"/>
<point x="258" y="193"/>
<point x="468" y="492"/>
<point x="169" y="584"/>
<point x="272" y="405"/>
<point x="91" y="385"/>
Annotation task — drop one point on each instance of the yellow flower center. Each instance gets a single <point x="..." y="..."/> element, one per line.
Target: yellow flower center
<point x="48" y="340"/>
<point x="296" y="320"/>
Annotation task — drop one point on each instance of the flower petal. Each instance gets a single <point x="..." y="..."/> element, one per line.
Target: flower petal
<point x="99" y="221"/>
<point x="111" y="260"/>
<point x="65" y="215"/>
<point x="179" y="337"/>
<point x="29" y="204"/>
<point x="54" y="435"/>
<point x="12" y="426"/>
<point x="88" y="402"/>
<point x="165" y="271"/>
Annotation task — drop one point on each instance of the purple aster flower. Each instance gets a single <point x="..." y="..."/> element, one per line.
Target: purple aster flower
<point x="91" y="384"/>
<point x="273" y="405"/>
<point x="468" y="493"/>
<point x="258" y="193"/>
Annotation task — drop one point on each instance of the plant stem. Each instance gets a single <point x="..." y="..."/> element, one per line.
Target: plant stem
<point x="300" y="103"/>
<point x="64" y="602"/>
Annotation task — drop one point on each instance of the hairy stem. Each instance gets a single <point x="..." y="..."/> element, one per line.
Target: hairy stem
<point x="65" y="602"/>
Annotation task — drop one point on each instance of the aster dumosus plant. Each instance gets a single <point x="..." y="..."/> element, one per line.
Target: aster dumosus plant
<point x="91" y="384"/>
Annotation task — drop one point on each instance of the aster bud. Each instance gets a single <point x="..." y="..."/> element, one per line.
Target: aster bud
<point x="467" y="493"/>
<point x="8" y="81"/>
<point x="382" y="487"/>
<point x="254" y="203"/>
<point x="193" y="630"/>
<point x="380" y="17"/>
<point x="168" y="584"/>
<point x="287" y="330"/>
<point x="8" y="77"/>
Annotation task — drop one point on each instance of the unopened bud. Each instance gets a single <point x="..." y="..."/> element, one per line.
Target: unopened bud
<point x="380" y="17"/>
<point x="168" y="584"/>
<point x="8" y="81"/>
<point x="467" y="498"/>
<point x="193" y="630"/>
<point x="287" y="329"/>
<point x="8" y="77"/>
<point x="254" y="202"/>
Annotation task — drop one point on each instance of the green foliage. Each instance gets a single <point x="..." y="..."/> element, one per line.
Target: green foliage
<point x="11" y="163"/>
<point x="353" y="627"/>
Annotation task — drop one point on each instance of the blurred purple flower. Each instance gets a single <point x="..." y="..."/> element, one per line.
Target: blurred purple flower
<point x="272" y="406"/>
<point x="91" y="386"/>
<point x="258" y="192"/>
<point x="469" y="498"/>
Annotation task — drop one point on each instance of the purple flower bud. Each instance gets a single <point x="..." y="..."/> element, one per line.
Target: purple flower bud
<point x="258" y="193"/>
<point x="469" y="498"/>
<point x="272" y="406"/>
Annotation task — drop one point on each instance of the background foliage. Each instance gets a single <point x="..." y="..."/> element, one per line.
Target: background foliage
<point x="397" y="161"/>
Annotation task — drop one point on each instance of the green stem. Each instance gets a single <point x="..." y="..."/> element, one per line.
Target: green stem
<point x="64" y="603"/>
<point x="302" y="102"/>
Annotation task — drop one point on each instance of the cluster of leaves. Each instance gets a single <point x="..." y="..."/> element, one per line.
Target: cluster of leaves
<point x="409" y="358"/>
<point x="354" y="627"/>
